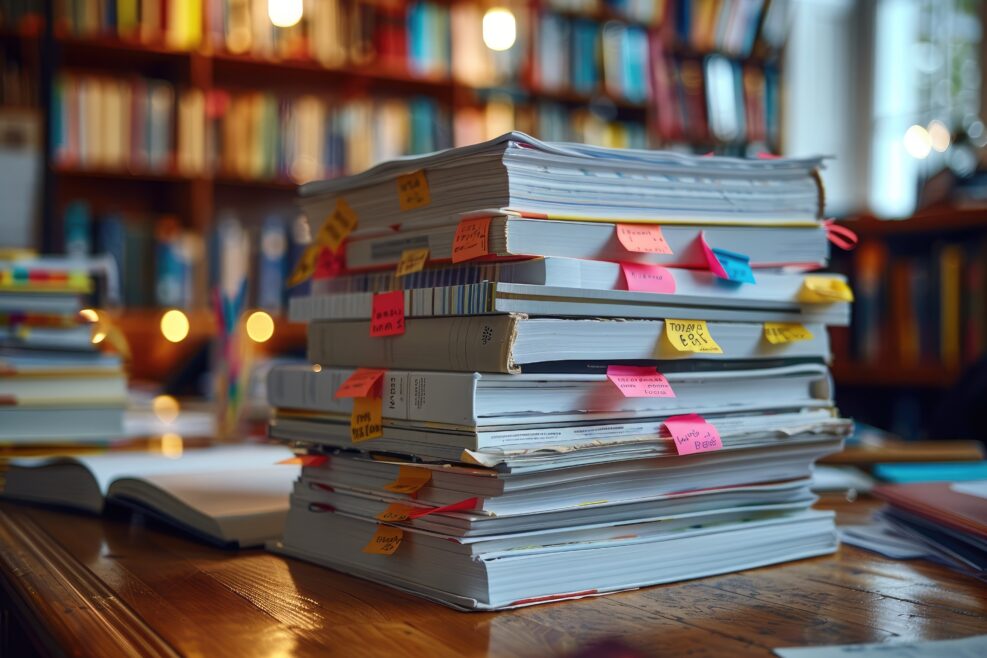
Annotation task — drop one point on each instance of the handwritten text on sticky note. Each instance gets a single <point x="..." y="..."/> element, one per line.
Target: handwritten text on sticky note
<point x="337" y="226"/>
<point x="410" y="479"/>
<point x="385" y="541"/>
<point x="412" y="260"/>
<point x="367" y="419"/>
<point x="779" y="333"/>
<point x="360" y="383"/>
<point x="387" y="314"/>
<point x="643" y="238"/>
<point x="396" y="512"/>
<point x="641" y="277"/>
<point x="691" y="336"/>
<point x="691" y="433"/>
<point x="305" y="266"/>
<point x="640" y="382"/>
<point x="471" y="239"/>
<point x="413" y="191"/>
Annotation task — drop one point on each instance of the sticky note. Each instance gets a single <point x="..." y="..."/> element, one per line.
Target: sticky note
<point x="779" y="333"/>
<point x="410" y="479"/>
<point x="366" y="421"/>
<point x="471" y="239"/>
<point x="360" y="383"/>
<point x="305" y="265"/>
<point x="691" y="433"/>
<point x="461" y="506"/>
<point x="726" y="264"/>
<point x="641" y="277"/>
<point x="824" y="290"/>
<point x="339" y="224"/>
<point x="385" y="541"/>
<point x="691" y="336"/>
<point x="413" y="191"/>
<point x="306" y="460"/>
<point x="643" y="238"/>
<point x="412" y="260"/>
<point x="640" y="382"/>
<point x="387" y="314"/>
<point x="396" y="512"/>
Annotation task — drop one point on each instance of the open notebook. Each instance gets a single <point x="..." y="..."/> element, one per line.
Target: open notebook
<point x="231" y="495"/>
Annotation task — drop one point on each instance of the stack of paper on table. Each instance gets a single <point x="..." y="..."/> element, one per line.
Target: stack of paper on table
<point x="543" y="372"/>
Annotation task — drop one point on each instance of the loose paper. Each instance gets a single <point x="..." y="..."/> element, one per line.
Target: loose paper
<point x="396" y="512"/>
<point x="360" y="383"/>
<point x="387" y="314"/>
<point x="367" y="422"/>
<point x="641" y="277"/>
<point x="640" y="382"/>
<point x="643" y="238"/>
<point x="385" y="541"/>
<point x="691" y="336"/>
<point x="779" y="333"/>
<point x="471" y="239"/>
<point x="413" y="191"/>
<point x="410" y="479"/>
<point x="412" y="260"/>
<point x="337" y="226"/>
<point x="726" y="264"/>
<point x="691" y="433"/>
<point x="824" y="290"/>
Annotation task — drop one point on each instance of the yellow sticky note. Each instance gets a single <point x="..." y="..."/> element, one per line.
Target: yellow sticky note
<point x="778" y="333"/>
<point x="412" y="260"/>
<point x="824" y="290"/>
<point x="396" y="512"/>
<point x="339" y="224"/>
<point x="691" y="336"/>
<point x="413" y="191"/>
<point x="385" y="541"/>
<point x="367" y="419"/>
<point x="305" y="266"/>
<point x="410" y="479"/>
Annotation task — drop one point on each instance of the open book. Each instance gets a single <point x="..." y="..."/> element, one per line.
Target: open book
<point x="231" y="495"/>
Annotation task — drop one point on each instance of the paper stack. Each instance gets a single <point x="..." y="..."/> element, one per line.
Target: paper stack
<point x="543" y="372"/>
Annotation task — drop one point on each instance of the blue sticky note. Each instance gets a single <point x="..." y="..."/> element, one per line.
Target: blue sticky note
<point x="737" y="266"/>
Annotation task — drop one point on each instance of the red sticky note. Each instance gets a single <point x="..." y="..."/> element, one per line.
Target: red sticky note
<point x="641" y="277"/>
<point x="691" y="433"/>
<point x="640" y="382"/>
<point x="360" y="383"/>
<point x="387" y="314"/>
<point x="471" y="240"/>
<point x="643" y="238"/>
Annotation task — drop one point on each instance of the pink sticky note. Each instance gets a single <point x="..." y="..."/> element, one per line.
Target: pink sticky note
<point x="641" y="277"/>
<point x="691" y="433"/>
<point x="387" y="314"/>
<point x="640" y="382"/>
<point x="763" y="155"/>
<point x="643" y="238"/>
<point x="714" y="263"/>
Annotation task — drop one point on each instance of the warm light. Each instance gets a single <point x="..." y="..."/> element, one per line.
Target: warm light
<point x="260" y="327"/>
<point x="316" y="367"/>
<point x="89" y="315"/>
<point x="174" y="326"/>
<point x="939" y="136"/>
<point x="171" y="445"/>
<point x="98" y="337"/>
<point x="284" y="13"/>
<point x="499" y="29"/>
<point x="917" y="142"/>
<point x="166" y="408"/>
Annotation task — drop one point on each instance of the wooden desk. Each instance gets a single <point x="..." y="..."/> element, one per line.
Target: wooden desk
<point x="84" y="586"/>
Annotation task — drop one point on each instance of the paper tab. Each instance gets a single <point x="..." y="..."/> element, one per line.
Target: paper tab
<point x="726" y="264"/>
<point x="691" y="433"/>
<point x="471" y="240"/>
<point x="641" y="277"/>
<point x="360" y="383"/>
<point x="305" y="266"/>
<point x="824" y="290"/>
<point x="337" y="226"/>
<point x="385" y="541"/>
<point x="410" y="479"/>
<point x="779" y="333"/>
<point x="367" y="421"/>
<point x="306" y="460"/>
<point x="640" y="382"/>
<point x="643" y="238"/>
<point x="691" y="336"/>
<point x="461" y="506"/>
<point x="413" y="191"/>
<point x="412" y="260"/>
<point x="387" y="314"/>
<point x="396" y="512"/>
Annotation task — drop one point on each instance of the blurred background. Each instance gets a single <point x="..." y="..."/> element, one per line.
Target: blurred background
<point x="167" y="136"/>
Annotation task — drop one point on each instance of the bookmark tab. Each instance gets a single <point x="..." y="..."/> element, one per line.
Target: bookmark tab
<point x="413" y="191"/>
<point x="385" y="541"/>
<point x="643" y="238"/>
<point x="412" y="260"/>
<point x="306" y="460"/>
<point x="641" y="277"/>
<point x="471" y="239"/>
<point x="367" y="419"/>
<point x="779" y="333"/>
<point x="726" y="264"/>
<point x="387" y="314"/>
<point x="396" y="512"/>
<point x="461" y="506"/>
<point x="337" y="226"/>
<point x="691" y="434"/>
<point x="410" y="479"/>
<point x="824" y="290"/>
<point x="305" y="266"/>
<point x="691" y="336"/>
<point x="640" y="382"/>
<point x="360" y="383"/>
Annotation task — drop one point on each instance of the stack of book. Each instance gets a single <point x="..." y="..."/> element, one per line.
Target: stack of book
<point x="548" y="371"/>
<point x="57" y="386"/>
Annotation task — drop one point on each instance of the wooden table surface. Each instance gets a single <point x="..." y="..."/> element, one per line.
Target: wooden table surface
<point x="111" y="586"/>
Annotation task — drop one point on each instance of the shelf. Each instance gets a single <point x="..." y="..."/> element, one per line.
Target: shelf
<point x="926" y="376"/>
<point x="927" y="221"/>
<point x="116" y="174"/>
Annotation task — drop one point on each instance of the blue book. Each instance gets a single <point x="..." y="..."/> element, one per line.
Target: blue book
<point x="931" y="472"/>
<point x="272" y="265"/>
<point x="77" y="227"/>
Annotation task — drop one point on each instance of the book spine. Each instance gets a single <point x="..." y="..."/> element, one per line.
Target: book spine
<point x="469" y="299"/>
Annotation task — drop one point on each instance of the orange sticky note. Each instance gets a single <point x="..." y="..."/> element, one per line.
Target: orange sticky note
<point x="366" y="421"/>
<point x="410" y="479"/>
<point x="641" y="277"/>
<point x="385" y="541"/>
<point x="305" y="266"/>
<point x="471" y="240"/>
<point x="779" y="333"/>
<point x="360" y="383"/>
<point x="640" y="382"/>
<point x="643" y="238"/>
<point x="691" y="336"/>
<point x="396" y="512"/>
<point x="691" y="433"/>
<point x="413" y="191"/>
<point x="337" y="226"/>
<point x="387" y="314"/>
<point x="306" y="460"/>
<point x="412" y="260"/>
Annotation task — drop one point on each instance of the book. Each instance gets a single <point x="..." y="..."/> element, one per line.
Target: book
<point x="231" y="495"/>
